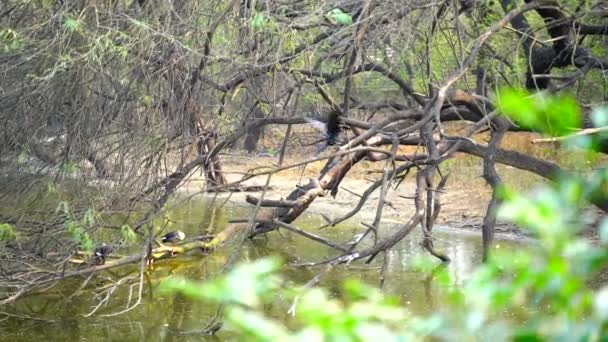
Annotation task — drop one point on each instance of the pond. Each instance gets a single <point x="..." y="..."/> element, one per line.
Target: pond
<point x="62" y="312"/>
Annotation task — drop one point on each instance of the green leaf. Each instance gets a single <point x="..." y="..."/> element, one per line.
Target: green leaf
<point x="187" y="287"/>
<point x="7" y="232"/>
<point x="64" y="208"/>
<point x="22" y="157"/>
<point x="527" y="335"/>
<point x="255" y="326"/>
<point x="244" y="285"/>
<point x="315" y="308"/>
<point x="46" y="4"/>
<point x="9" y="40"/>
<point x="70" y="167"/>
<point x="86" y="243"/>
<point x="309" y="334"/>
<point x="357" y="290"/>
<point x="71" y="24"/>
<point x="336" y="16"/>
<point x="88" y="219"/>
<point x="374" y="332"/>
<point x="128" y="235"/>
<point x="51" y="188"/>
<point x="258" y="21"/>
<point x="553" y="115"/>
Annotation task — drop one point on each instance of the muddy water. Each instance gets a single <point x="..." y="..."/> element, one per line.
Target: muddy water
<point x="62" y="313"/>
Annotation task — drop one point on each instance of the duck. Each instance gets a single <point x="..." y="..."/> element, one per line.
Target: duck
<point x="173" y="237"/>
<point x="101" y="252"/>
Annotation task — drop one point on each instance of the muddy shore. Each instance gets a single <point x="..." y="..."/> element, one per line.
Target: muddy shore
<point x="464" y="199"/>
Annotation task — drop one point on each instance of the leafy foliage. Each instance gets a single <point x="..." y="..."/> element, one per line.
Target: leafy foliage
<point x="79" y="228"/>
<point x="127" y="234"/>
<point x="244" y="286"/>
<point x="7" y="232"/>
<point x="244" y="289"/>
<point x="553" y="115"/>
<point x="72" y="24"/>
<point x="9" y="41"/>
<point x="337" y="16"/>
<point x="258" y="21"/>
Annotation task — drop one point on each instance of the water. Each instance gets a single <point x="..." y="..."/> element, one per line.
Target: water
<point x="61" y="313"/>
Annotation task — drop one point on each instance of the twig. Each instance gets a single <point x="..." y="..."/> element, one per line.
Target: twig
<point x="587" y="131"/>
<point x="309" y="235"/>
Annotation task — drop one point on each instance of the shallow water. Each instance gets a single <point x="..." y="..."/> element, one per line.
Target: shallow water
<point x="60" y="314"/>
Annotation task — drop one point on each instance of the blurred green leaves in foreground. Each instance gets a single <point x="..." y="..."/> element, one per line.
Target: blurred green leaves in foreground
<point x="555" y="116"/>
<point x="551" y="115"/>
<point x="550" y="282"/>
<point x="364" y="315"/>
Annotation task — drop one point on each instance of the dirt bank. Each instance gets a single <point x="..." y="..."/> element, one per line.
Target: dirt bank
<point x="464" y="199"/>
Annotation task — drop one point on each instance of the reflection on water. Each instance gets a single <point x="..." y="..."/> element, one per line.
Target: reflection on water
<point x="59" y="314"/>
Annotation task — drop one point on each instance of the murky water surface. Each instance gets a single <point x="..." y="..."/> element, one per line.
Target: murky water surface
<point x="61" y="314"/>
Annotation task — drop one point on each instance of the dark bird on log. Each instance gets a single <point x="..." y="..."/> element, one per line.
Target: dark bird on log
<point x="466" y="6"/>
<point x="101" y="252"/>
<point x="173" y="237"/>
<point x="331" y="130"/>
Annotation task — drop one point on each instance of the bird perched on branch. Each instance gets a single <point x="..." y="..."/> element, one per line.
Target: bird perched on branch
<point x="101" y="252"/>
<point x="331" y="130"/>
<point x="173" y="237"/>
